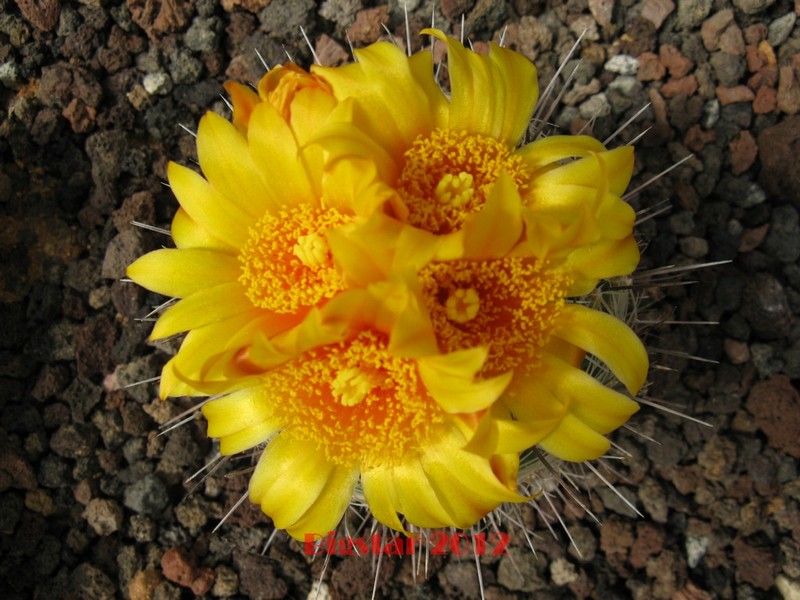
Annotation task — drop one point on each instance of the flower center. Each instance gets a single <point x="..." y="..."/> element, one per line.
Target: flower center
<point x="448" y="174"/>
<point x="286" y="262"/>
<point x="462" y="305"/>
<point x="351" y="386"/>
<point x="507" y="304"/>
<point x="356" y="403"/>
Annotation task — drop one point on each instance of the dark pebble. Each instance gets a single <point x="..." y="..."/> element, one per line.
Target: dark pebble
<point x="74" y="440"/>
<point x="147" y="496"/>
<point x="783" y="238"/>
<point x="765" y="307"/>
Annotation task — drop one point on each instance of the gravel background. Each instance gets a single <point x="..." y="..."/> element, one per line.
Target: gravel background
<point x="93" y="503"/>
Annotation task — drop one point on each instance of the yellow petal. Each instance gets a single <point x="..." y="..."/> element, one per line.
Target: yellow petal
<point x="497" y="228"/>
<point x="299" y="489"/>
<point x="575" y="441"/>
<point x="465" y="483"/>
<point x="589" y="264"/>
<point x="411" y="334"/>
<point x="244" y="100"/>
<point x="276" y="157"/>
<point x="397" y="95"/>
<point x="316" y="329"/>
<point x="201" y="346"/>
<point x="416" y="499"/>
<point x="180" y="273"/>
<point x="569" y="353"/>
<point x="172" y="385"/>
<point x="379" y="492"/>
<point x="346" y="137"/>
<point x="609" y="339"/>
<point x="491" y="95"/>
<point x="550" y="151"/>
<point x="353" y="186"/>
<point x="186" y="233"/>
<point x="562" y="199"/>
<point x="310" y="108"/>
<point x="499" y="433"/>
<point x="226" y="162"/>
<point x="360" y="266"/>
<point x="207" y="207"/>
<point x="450" y="380"/>
<point x="241" y="420"/>
<point x="606" y="170"/>
<point x="202" y="308"/>
<point x="598" y="406"/>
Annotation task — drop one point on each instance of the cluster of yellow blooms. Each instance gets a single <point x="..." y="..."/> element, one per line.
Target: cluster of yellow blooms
<point x="381" y="282"/>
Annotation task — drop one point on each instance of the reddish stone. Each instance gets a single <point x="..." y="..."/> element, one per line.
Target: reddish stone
<point x="684" y="85"/>
<point x="42" y="14"/>
<point x="697" y="138"/>
<point x="737" y="352"/>
<point x="766" y="76"/>
<point x="453" y="9"/>
<point x="252" y="6"/>
<point x="755" y="60"/>
<point x="367" y="27"/>
<point x="755" y="33"/>
<point x="602" y="11"/>
<point x="649" y="541"/>
<point x="616" y="536"/>
<point x="691" y="592"/>
<point x="675" y="62"/>
<point x="731" y="95"/>
<point x="650" y="67"/>
<point x="789" y="87"/>
<point x="743" y="152"/>
<point x="158" y="17"/>
<point x="80" y="116"/>
<point x="766" y="101"/>
<point x="750" y="240"/>
<point x="138" y="207"/>
<point x="330" y="52"/>
<point x="712" y="29"/>
<point x="775" y="403"/>
<point x="732" y="40"/>
<point x="15" y="471"/>
<point x="754" y="564"/>
<point x="687" y="195"/>
<point x="656" y="11"/>
<point x="662" y="131"/>
<point x="779" y="147"/>
<point x="179" y="567"/>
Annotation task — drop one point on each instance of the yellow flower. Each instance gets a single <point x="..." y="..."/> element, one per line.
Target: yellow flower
<point x="351" y="410"/>
<point x="502" y="241"/>
<point x="381" y="285"/>
<point x="251" y="258"/>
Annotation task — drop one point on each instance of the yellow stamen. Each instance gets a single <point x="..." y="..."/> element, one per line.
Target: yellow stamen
<point x="462" y="305"/>
<point x="286" y="263"/>
<point x="510" y="305"/>
<point x="457" y="169"/>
